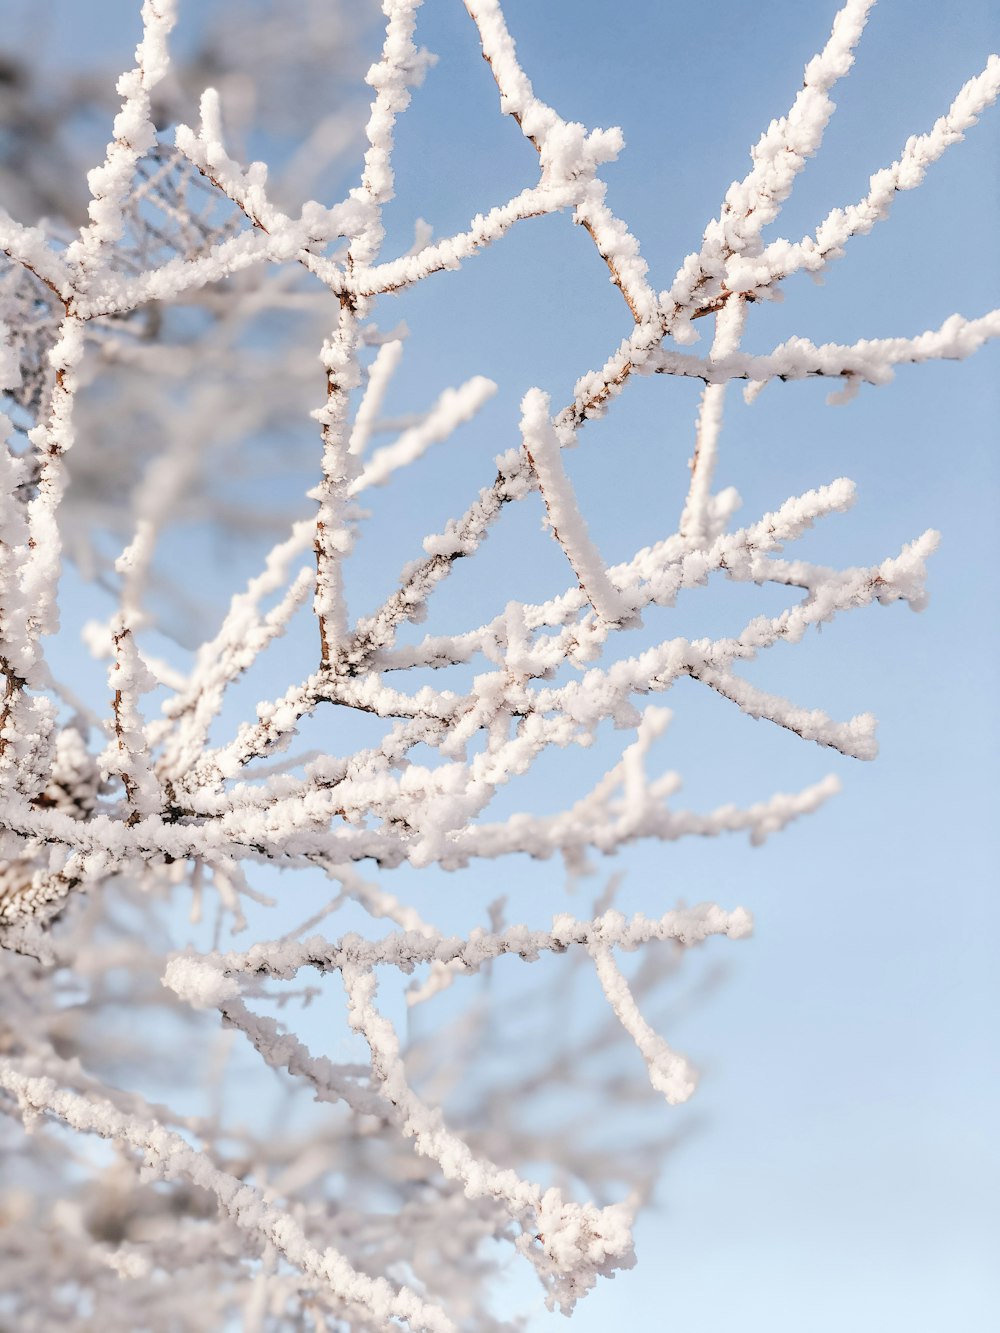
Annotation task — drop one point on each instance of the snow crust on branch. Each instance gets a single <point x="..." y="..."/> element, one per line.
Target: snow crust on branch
<point x="543" y="446"/>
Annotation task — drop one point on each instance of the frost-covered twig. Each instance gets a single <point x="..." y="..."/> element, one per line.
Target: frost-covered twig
<point x="167" y="1154"/>
<point x="870" y="359"/>
<point x="782" y="258"/>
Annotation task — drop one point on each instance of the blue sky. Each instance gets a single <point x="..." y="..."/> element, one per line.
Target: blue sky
<point x="841" y="1169"/>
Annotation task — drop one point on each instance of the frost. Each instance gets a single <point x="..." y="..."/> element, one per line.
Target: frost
<point x="385" y="1210"/>
<point x="198" y="982"/>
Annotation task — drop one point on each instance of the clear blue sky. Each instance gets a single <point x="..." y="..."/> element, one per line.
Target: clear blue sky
<point x="842" y="1169"/>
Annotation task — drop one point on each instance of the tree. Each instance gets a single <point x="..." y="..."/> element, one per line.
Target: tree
<point x="164" y="341"/>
